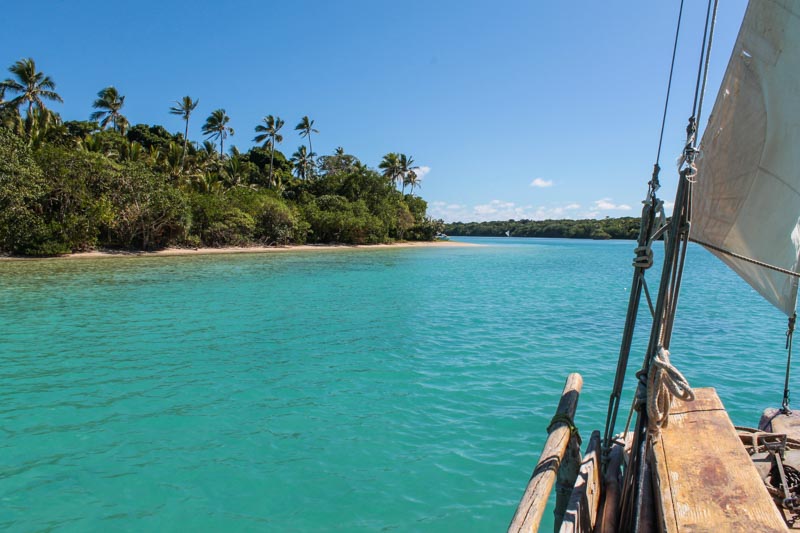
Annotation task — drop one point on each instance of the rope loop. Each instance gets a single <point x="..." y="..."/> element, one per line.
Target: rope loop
<point x="563" y="418"/>
<point x="644" y="257"/>
<point x="664" y="382"/>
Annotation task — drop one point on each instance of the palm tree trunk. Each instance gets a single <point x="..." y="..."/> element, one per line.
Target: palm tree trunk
<point x="271" y="156"/>
<point x="185" y="140"/>
<point x="29" y="119"/>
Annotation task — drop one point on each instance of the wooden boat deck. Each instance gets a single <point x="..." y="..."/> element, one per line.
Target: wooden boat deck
<point x="704" y="478"/>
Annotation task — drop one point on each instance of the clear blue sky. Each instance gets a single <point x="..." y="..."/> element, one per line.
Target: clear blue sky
<point x="489" y="97"/>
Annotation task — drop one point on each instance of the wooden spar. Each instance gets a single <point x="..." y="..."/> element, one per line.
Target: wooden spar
<point x="565" y="479"/>
<point x="581" y="513"/>
<point x="612" y="486"/>
<point x="534" y="500"/>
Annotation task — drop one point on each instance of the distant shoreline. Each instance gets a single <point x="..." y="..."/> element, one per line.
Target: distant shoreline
<point x="171" y="252"/>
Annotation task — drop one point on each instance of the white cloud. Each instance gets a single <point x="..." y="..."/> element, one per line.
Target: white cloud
<point x="541" y="183"/>
<point x="421" y="171"/>
<point x="605" y="204"/>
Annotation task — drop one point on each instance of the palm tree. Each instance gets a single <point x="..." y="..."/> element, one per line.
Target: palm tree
<point x="405" y="163"/>
<point x="268" y="132"/>
<point x="109" y="103"/>
<point x="184" y="108"/>
<point x="216" y="127"/>
<point x="413" y="180"/>
<point x="31" y="86"/>
<point x="303" y="162"/>
<point x="306" y="128"/>
<point x="391" y="167"/>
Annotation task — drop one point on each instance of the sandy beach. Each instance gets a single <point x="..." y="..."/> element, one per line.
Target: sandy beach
<point x="100" y="254"/>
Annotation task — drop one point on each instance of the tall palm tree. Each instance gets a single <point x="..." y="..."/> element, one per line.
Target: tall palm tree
<point x="391" y="167"/>
<point x="31" y="86"/>
<point x="306" y="128"/>
<point x="405" y="163"/>
<point x="184" y="108"/>
<point x="268" y="132"/>
<point x="216" y="127"/>
<point x="108" y="104"/>
<point x="303" y="162"/>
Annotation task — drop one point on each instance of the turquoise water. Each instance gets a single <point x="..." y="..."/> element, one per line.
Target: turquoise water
<point x="355" y="390"/>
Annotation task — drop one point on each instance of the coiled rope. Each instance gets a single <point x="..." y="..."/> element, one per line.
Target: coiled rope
<point x="664" y="382"/>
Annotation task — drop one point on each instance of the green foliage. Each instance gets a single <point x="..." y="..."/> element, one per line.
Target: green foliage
<point x="77" y="203"/>
<point x="23" y="230"/>
<point x="335" y="219"/>
<point x="279" y="224"/>
<point x="607" y="228"/>
<point x="76" y="185"/>
<point x="151" y="212"/>
<point x="153" y="137"/>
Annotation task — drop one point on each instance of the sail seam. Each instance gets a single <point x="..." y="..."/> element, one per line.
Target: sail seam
<point x="745" y="258"/>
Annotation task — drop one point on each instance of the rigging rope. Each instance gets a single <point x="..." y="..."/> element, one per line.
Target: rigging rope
<point x="663" y="382"/>
<point x="746" y="259"/>
<point x="669" y="90"/>
<point x="789" y="333"/>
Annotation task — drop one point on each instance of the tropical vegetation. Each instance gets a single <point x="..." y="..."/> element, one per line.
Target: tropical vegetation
<point x="606" y="228"/>
<point x="73" y="185"/>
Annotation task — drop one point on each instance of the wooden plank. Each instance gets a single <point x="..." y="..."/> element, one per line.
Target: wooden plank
<point x="704" y="478"/>
<point x="581" y="513"/>
<point x="534" y="500"/>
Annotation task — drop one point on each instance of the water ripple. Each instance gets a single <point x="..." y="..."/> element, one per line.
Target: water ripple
<point x="393" y="390"/>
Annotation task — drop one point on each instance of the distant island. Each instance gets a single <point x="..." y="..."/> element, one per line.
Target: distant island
<point x="76" y="185"/>
<point x="606" y="228"/>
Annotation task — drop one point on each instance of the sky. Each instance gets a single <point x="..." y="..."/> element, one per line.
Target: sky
<point x="511" y="109"/>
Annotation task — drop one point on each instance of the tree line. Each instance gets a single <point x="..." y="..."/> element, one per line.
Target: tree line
<point x="606" y="228"/>
<point x="79" y="184"/>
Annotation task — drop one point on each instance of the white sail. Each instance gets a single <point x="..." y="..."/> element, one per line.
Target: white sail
<point x="747" y="196"/>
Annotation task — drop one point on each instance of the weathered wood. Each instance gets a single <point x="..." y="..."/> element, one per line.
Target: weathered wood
<point x="704" y="479"/>
<point x="565" y="479"/>
<point x="581" y="513"/>
<point x="534" y="500"/>
<point x="612" y="488"/>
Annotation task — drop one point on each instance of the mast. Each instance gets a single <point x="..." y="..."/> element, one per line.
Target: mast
<point x="651" y="403"/>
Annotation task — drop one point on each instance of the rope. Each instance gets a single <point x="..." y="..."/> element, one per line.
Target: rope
<point x="789" y="333"/>
<point x="708" y="58"/>
<point x="644" y="257"/>
<point x="656" y="168"/>
<point x="663" y="382"/>
<point x="563" y="418"/>
<point x="746" y="259"/>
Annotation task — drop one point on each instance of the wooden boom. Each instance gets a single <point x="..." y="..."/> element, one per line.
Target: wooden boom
<point x="534" y="500"/>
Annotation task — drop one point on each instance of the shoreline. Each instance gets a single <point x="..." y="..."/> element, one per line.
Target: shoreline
<point x="172" y="252"/>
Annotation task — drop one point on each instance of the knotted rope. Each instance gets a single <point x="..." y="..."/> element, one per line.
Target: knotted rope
<point x="663" y="382"/>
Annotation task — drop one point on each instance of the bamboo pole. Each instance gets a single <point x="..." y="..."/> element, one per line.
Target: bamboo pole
<point x="534" y="499"/>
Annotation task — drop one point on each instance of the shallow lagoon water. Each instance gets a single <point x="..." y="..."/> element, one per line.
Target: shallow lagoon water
<point x="351" y="390"/>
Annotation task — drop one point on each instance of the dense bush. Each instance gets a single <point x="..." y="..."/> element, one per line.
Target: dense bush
<point x="77" y="187"/>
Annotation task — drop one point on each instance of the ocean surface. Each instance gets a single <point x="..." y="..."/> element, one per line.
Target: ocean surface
<point x="352" y="390"/>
